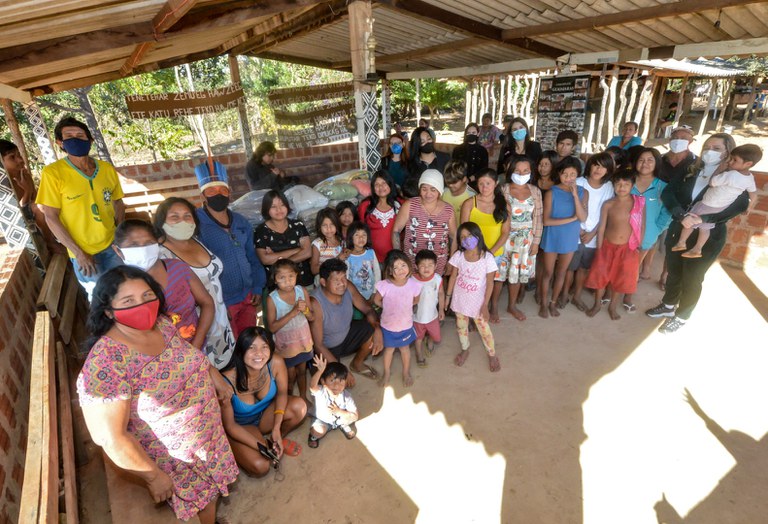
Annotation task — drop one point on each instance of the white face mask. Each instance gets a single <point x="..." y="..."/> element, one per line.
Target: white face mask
<point x="519" y="179"/>
<point x="678" y="145"/>
<point x="711" y="158"/>
<point x="180" y="230"/>
<point x="143" y="257"/>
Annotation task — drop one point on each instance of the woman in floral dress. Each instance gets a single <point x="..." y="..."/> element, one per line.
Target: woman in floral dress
<point x="148" y="398"/>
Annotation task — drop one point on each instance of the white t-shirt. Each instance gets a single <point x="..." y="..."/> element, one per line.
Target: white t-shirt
<point x="471" y="280"/>
<point x="426" y="309"/>
<point x="323" y="400"/>
<point x="597" y="197"/>
<point x="726" y="188"/>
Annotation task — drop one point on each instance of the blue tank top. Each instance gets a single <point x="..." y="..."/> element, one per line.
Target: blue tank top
<point x="250" y="414"/>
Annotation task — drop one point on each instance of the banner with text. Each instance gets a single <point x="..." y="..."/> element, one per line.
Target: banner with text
<point x="313" y="115"/>
<point x="169" y="105"/>
<point x="562" y="105"/>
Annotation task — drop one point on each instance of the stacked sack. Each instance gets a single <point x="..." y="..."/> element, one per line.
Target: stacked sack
<point x="305" y="203"/>
<point x="354" y="186"/>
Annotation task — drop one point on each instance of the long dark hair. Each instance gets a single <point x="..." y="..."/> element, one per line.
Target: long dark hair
<point x="161" y="213"/>
<point x="331" y="215"/>
<point x="404" y="158"/>
<point x="374" y="199"/>
<point x="269" y="198"/>
<point x="353" y="228"/>
<point x="106" y="288"/>
<point x="548" y="154"/>
<point x="124" y="229"/>
<point x="569" y="161"/>
<point x="508" y="132"/>
<point x="263" y="148"/>
<point x="603" y="160"/>
<point x="244" y="342"/>
<point x="474" y="230"/>
<point x="499" y="202"/>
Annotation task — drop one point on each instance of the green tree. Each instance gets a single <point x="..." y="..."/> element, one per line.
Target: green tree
<point x="439" y="93"/>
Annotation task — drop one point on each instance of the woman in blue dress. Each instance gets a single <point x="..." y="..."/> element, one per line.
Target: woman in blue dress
<point x="565" y="207"/>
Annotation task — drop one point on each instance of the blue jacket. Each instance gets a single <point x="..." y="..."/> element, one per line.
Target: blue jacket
<point x="657" y="216"/>
<point x="243" y="272"/>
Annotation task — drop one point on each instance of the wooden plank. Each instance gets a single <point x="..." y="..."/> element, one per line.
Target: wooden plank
<point x="15" y="94"/>
<point x="35" y="488"/>
<point x="67" y="320"/>
<point x="67" y="436"/>
<point x="50" y="294"/>
<point x="621" y="17"/>
<point x="49" y="496"/>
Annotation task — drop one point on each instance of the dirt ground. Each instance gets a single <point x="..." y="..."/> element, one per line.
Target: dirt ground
<point x="586" y="422"/>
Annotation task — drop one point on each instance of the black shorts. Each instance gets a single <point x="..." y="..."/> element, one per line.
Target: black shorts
<point x="582" y="258"/>
<point x="359" y="332"/>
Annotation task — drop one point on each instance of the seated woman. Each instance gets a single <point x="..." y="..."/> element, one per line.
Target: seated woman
<point x="261" y="404"/>
<point x="627" y="139"/>
<point x="136" y="244"/>
<point x="261" y="173"/>
<point x="177" y="219"/>
<point x="138" y="417"/>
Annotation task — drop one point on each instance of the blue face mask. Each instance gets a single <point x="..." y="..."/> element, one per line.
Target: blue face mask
<point x="519" y="134"/>
<point x="76" y="146"/>
<point x="396" y="148"/>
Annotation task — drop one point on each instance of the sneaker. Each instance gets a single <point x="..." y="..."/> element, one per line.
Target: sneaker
<point x="671" y="325"/>
<point x="662" y="310"/>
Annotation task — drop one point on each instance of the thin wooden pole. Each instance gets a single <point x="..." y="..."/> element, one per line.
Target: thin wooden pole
<point x="13" y="125"/>
<point x="603" y="104"/>
<point x="418" y="100"/>
<point x="502" y="93"/>
<point x="468" y="103"/>
<point x="659" y="99"/>
<point x="726" y="100"/>
<point x="680" y="102"/>
<point x="750" y="104"/>
<point x="612" y="131"/>
<point x="648" y="106"/>
<point x="242" y="112"/>
<point x="705" y="116"/>
<point x="622" y="100"/>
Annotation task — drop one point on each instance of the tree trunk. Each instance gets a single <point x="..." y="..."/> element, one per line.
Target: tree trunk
<point x="663" y="83"/>
<point x="726" y="104"/>
<point x="612" y="131"/>
<point x="502" y="93"/>
<point x="492" y="89"/>
<point x="418" y="100"/>
<point x="468" y="104"/>
<point x="751" y="102"/>
<point x="680" y="102"/>
<point x="647" y="116"/>
<point x="633" y="94"/>
<point x="90" y="119"/>
<point x="705" y="116"/>
<point x="473" y="108"/>
<point x="516" y="96"/>
<point x="509" y="95"/>
<point x="590" y="134"/>
<point x="195" y="121"/>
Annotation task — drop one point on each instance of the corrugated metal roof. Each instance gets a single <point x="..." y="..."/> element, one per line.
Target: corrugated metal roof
<point x="716" y="68"/>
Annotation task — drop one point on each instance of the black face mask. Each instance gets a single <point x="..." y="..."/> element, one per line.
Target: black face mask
<point x="470" y="139"/>
<point x="428" y="148"/>
<point x="217" y="202"/>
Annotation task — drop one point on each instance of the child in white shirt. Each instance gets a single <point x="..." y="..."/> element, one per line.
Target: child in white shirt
<point x="723" y="190"/>
<point x="431" y="307"/>
<point x="334" y="407"/>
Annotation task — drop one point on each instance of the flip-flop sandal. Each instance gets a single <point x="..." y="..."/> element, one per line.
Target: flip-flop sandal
<point x="605" y="301"/>
<point x="421" y="363"/>
<point x="686" y="255"/>
<point x="676" y="249"/>
<point x="291" y="447"/>
<point x="367" y="372"/>
<point x="313" y="441"/>
<point x="631" y="308"/>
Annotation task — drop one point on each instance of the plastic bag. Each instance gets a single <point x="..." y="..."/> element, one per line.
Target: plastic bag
<point x="308" y="217"/>
<point x="302" y="198"/>
<point x="346" y="177"/>
<point x="249" y="205"/>
<point x="339" y="191"/>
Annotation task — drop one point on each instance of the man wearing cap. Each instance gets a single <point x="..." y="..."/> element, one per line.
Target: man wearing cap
<point x="81" y="200"/>
<point x="230" y="237"/>
<point x="676" y="162"/>
<point x="429" y="222"/>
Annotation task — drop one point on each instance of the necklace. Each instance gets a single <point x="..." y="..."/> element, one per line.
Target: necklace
<point x="260" y="381"/>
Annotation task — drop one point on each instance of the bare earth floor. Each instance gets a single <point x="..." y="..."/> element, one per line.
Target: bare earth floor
<point x="586" y="422"/>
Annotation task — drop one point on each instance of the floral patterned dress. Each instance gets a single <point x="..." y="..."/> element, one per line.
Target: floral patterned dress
<point x="220" y="341"/>
<point x="174" y="416"/>
<point x="517" y="265"/>
<point x="424" y="231"/>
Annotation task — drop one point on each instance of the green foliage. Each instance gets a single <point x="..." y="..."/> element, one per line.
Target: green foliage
<point x="441" y="94"/>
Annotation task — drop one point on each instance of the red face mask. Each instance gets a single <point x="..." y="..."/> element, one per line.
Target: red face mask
<point x="141" y="317"/>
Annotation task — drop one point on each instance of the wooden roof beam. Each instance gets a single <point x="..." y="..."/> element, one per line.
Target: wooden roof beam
<point x="14" y="94"/>
<point x="432" y="14"/>
<point x="312" y="19"/>
<point x="301" y="61"/>
<point x="623" y="17"/>
<point x="171" y="12"/>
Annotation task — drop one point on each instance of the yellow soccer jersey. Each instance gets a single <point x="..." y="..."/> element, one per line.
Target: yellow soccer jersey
<point x="85" y="203"/>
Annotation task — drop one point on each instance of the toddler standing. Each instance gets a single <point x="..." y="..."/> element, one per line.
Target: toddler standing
<point x="362" y="266"/>
<point x="431" y="307"/>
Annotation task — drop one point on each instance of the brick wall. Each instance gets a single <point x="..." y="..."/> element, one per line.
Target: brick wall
<point x="19" y="287"/>
<point x="343" y="157"/>
<point x="748" y="234"/>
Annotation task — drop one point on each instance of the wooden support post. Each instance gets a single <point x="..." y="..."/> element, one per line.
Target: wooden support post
<point x="468" y="103"/>
<point x="588" y="143"/>
<point x="242" y="112"/>
<point x="603" y="104"/>
<point x="726" y="105"/>
<point x="645" y="94"/>
<point x="705" y="116"/>
<point x="473" y="104"/>
<point x="680" y="102"/>
<point x="659" y="100"/>
<point x="622" y="102"/>
<point x="751" y="102"/>
<point x="492" y="89"/>
<point x="360" y="29"/>
<point x="646" y="122"/>
<point x="508" y="110"/>
<point x="502" y="94"/>
<point x="516" y="96"/>
<point x="13" y="125"/>
<point x="633" y="94"/>
<point x="418" y="100"/>
<point x="612" y="131"/>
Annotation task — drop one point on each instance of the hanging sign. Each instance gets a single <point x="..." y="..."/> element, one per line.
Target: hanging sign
<point x="562" y="105"/>
<point x="169" y="105"/>
<point x="323" y="115"/>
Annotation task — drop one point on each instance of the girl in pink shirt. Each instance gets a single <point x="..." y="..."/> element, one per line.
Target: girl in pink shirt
<point x="469" y="290"/>
<point x="396" y="295"/>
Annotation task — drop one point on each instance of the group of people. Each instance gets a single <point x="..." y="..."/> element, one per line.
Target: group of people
<point x="203" y="331"/>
